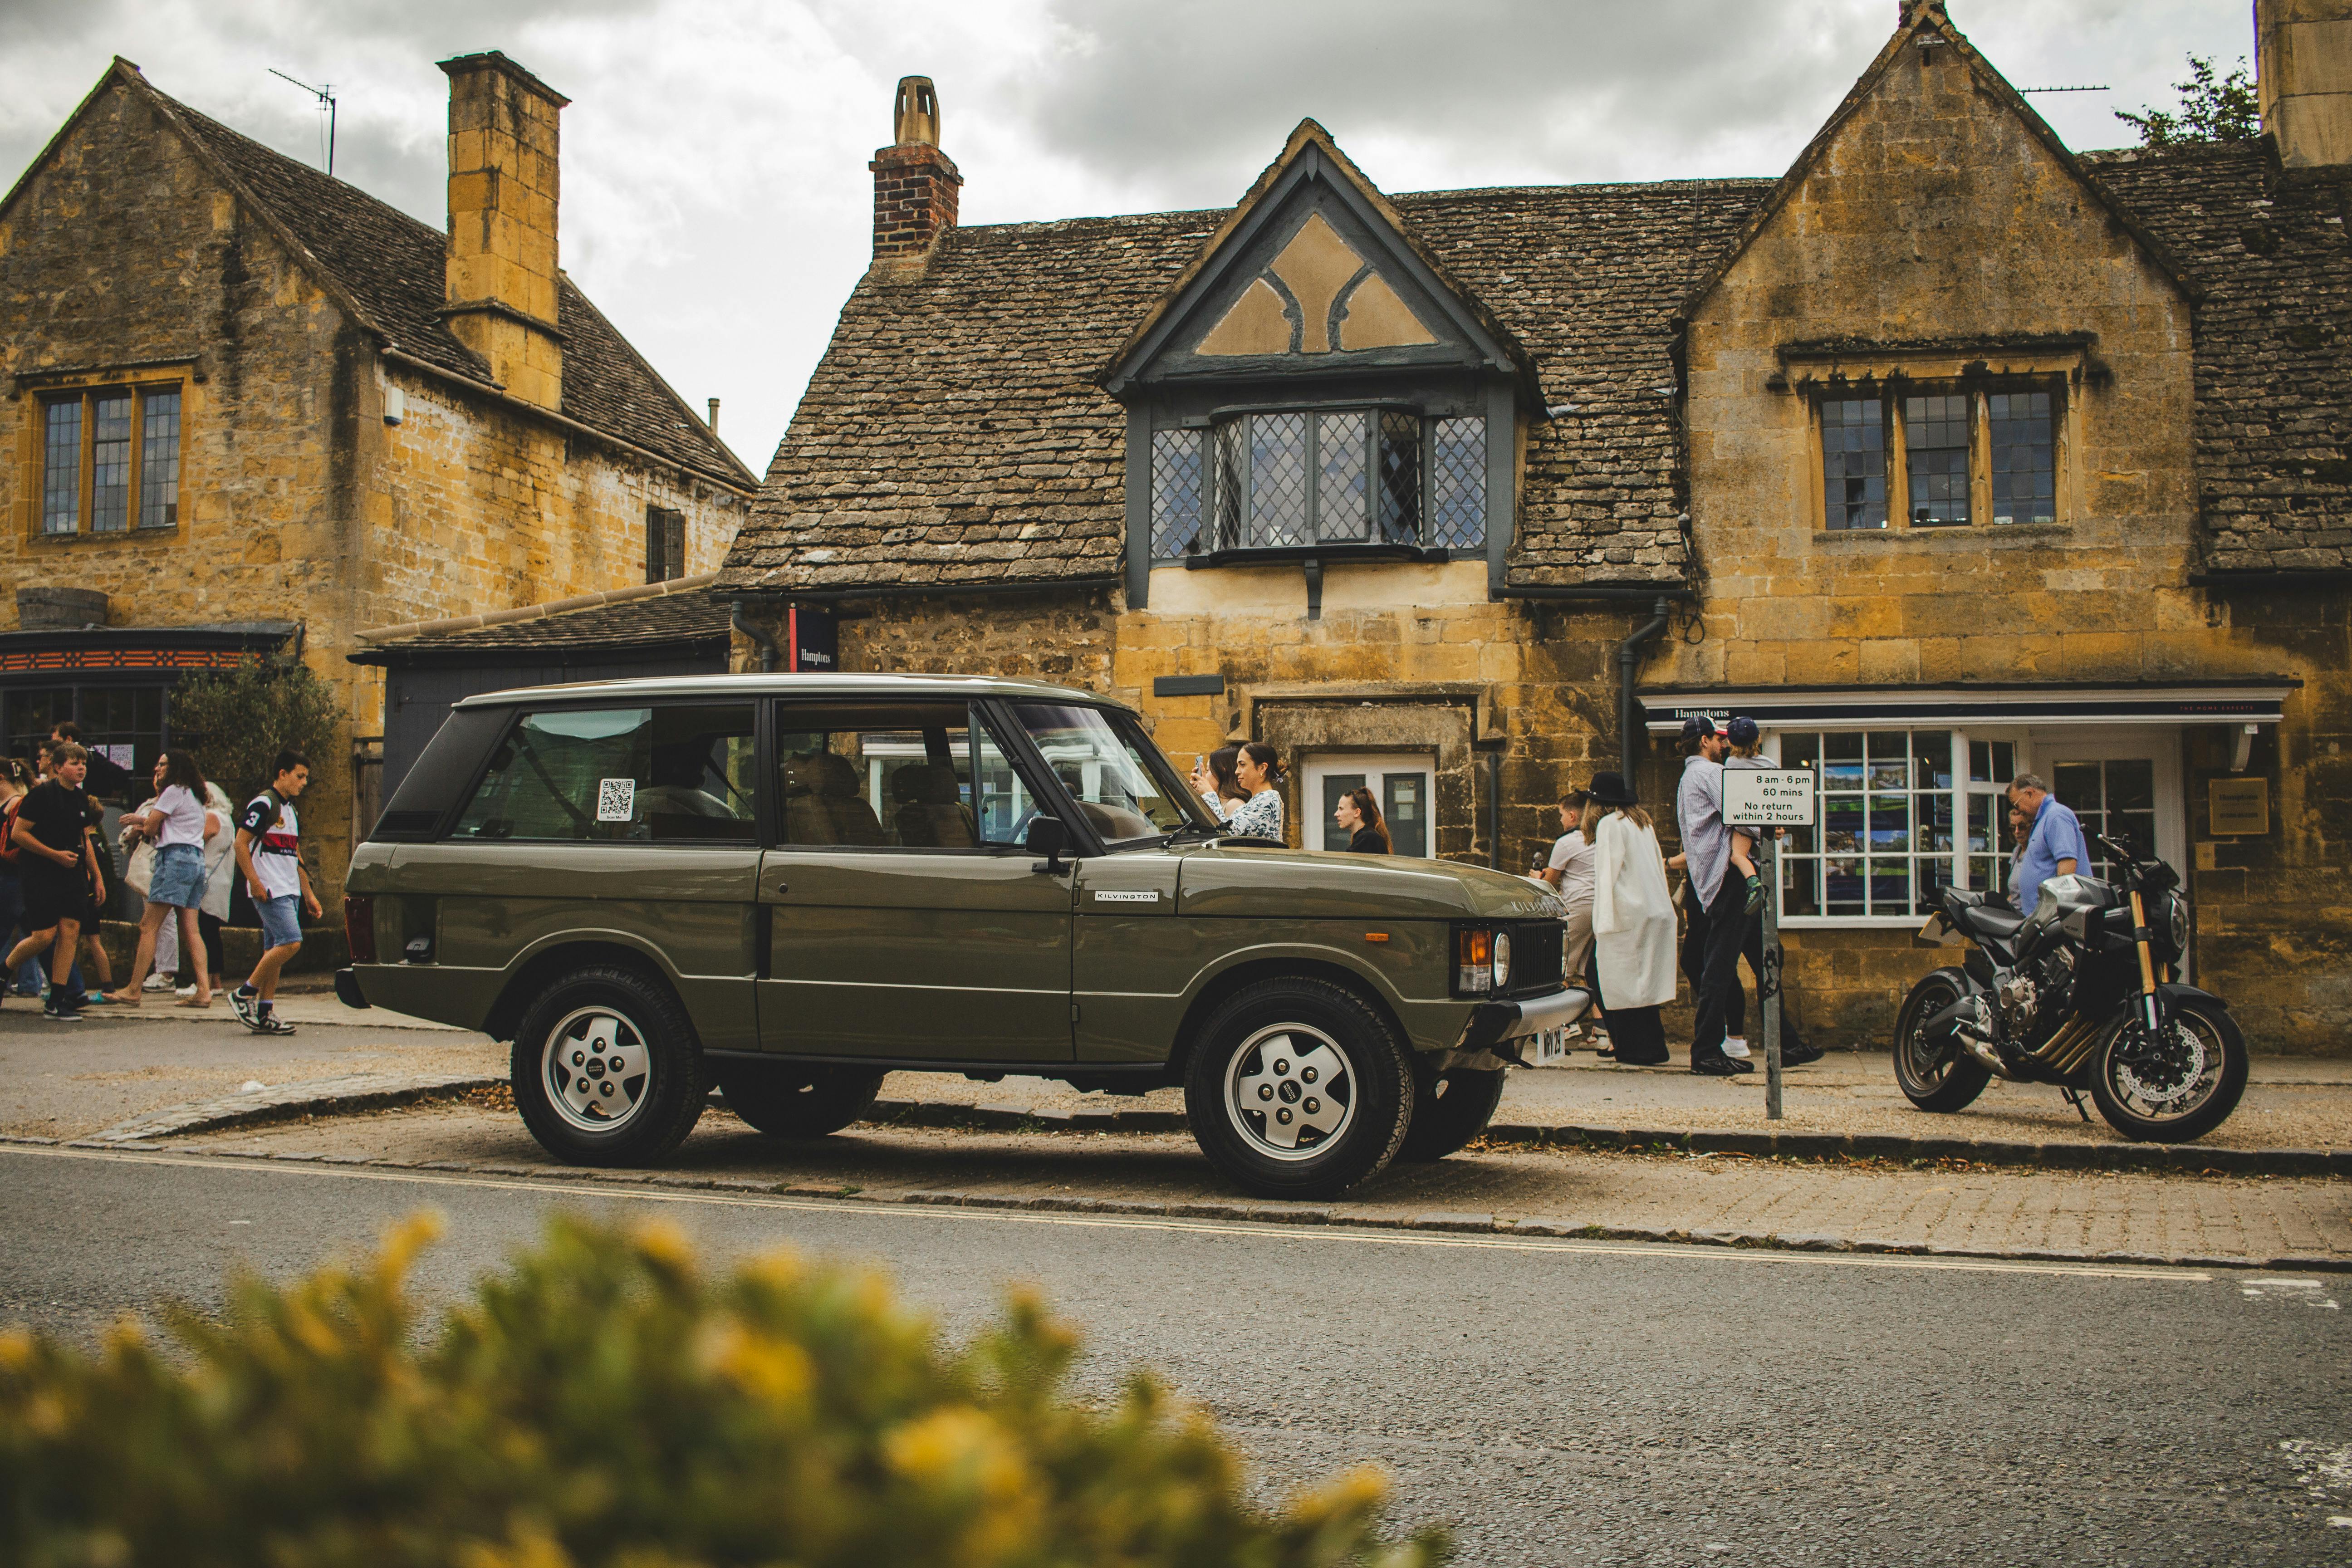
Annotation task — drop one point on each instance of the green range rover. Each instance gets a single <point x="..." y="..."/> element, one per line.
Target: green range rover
<point x="791" y="885"/>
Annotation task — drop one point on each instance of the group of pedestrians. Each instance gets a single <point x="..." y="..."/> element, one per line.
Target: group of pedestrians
<point x="1612" y="875"/>
<point x="185" y="845"/>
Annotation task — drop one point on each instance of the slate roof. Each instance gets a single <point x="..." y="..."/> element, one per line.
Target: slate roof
<point x="393" y="268"/>
<point x="954" y="434"/>
<point x="695" y="619"/>
<point x="2268" y="250"/>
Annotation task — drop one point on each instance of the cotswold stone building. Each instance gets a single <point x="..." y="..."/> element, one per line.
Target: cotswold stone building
<point x="247" y="407"/>
<point x="1948" y="454"/>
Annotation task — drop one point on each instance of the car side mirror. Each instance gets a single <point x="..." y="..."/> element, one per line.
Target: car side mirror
<point x="1047" y="836"/>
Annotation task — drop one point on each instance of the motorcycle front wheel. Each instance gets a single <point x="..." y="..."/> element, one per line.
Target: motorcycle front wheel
<point x="1943" y="1078"/>
<point x="2174" y="1087"/>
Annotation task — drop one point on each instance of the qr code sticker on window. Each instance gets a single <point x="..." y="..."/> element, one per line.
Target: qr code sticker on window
<point x="616" y="799"/>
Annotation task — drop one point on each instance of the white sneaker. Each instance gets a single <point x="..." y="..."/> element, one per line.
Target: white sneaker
<point x="1734" y="1048"/>
<point x="183" y="991"/>
<point x="156" y="983"/>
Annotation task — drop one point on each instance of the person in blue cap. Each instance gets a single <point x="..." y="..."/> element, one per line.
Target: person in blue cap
<point x="1718" y="901"/>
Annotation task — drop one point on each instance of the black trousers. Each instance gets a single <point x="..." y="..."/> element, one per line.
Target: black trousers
<point x="1735" y="1007"/>
<point x="1711" y="964"/>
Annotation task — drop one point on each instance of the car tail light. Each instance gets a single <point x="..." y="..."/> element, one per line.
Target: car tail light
<point x="358" y="926"/>
<point x="1474" y="962"/>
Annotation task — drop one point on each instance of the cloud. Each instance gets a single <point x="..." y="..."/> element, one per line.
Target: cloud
<point x="716" y="201"/>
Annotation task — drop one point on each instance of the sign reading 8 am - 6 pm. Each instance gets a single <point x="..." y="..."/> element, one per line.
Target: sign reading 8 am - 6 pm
<point x="1757" y="797"/>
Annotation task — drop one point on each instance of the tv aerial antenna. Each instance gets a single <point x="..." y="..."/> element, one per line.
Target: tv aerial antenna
<point x="326" y="96"/>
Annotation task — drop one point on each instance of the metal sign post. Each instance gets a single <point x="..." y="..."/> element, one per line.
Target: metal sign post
<point x="1765" y="799"/>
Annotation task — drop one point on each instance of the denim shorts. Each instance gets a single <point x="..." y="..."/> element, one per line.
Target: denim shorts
<point x="281" y="920"/>
<point x="178" y="879"/>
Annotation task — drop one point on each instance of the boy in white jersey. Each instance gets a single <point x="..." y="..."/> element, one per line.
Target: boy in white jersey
<point x="270" y="857"/>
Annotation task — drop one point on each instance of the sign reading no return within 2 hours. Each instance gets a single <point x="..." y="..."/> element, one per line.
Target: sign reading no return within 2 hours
<point x="1769" y="797"/>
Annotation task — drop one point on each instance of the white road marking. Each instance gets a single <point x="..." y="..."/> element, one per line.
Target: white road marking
<point x="1266" y="1230"/>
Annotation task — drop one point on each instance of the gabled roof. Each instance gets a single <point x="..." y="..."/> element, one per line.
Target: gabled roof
<point x="388" y="270"/>
<point x="1926" y="17"/>
<point x="1311" y="153"/>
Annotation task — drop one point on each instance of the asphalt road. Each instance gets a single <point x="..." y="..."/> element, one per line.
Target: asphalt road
<point x="1553" y="1402"/>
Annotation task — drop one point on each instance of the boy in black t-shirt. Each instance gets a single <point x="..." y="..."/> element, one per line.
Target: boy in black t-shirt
<point x="63" y="884"/>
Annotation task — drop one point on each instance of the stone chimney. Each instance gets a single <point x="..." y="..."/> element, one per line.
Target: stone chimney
<point x="2302" y="73"/>
<point x="502" y="223"/>
<point x="915" y="184"/>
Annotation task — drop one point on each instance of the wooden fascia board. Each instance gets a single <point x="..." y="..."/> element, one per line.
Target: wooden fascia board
<point x="1987" y="79"/>
<point x="1470" y="315"/>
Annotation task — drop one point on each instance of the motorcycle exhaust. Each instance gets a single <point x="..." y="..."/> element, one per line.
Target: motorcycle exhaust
<point x="1973" y="1030"/>
<point x="2069" y="1047"/>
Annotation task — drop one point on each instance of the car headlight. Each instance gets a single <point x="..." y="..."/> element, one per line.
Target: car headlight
<point x="1474" y="962"/>
<point x="1502" y="961"/>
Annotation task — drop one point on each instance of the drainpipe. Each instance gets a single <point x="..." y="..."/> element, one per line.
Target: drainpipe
<point x="767" y="645"/>
<point x="1628" y="659"/>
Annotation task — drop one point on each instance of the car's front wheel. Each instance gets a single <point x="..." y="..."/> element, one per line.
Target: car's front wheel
<point x="1298" y="1089"/>
<point x="1449" y="1110"/>
<point x="607" y="1070"/>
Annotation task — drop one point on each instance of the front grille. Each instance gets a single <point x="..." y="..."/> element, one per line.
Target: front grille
<point x="1536" y="952"/>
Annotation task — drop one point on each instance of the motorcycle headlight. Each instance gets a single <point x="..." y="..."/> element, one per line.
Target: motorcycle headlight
<point x="2175" y="924"/>
<point x="1502" y="961"/>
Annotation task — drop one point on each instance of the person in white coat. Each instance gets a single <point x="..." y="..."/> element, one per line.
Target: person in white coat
<point x="1632" y="924"/>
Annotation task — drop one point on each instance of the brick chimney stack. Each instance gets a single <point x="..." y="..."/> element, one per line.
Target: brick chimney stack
<point x="2303" y="74"/>
<point x="501" y="277"/>
<point x="915" y="184"/>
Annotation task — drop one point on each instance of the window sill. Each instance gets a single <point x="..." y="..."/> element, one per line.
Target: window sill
<point x="1291" y="555"/>
<point x="1955" y="533"/>
<point x="114" y="536"/>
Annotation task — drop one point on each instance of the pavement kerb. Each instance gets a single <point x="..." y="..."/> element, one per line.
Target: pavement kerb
<point x="1247" y="1212"/>
<point x="377" y="1091"/>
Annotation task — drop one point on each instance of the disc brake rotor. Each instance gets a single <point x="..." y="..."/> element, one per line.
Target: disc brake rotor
<point x="2174" y="1067"/>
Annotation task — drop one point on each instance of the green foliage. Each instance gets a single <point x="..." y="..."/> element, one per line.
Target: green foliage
<point x="238" y="720"/>
<point x="2209" y="111"/>
<point x="607" y="1402"/>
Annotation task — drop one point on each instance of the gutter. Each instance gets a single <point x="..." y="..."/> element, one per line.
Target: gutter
<point x="933" y="590"/>
<point x="536" y="612"/>
<point x="1629" y="660"/>
<point x="760" y="639"/>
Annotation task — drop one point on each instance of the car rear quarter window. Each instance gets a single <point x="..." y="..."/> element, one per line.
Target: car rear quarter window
<point x="440" y="774"/>
<point x="670" y="773"/>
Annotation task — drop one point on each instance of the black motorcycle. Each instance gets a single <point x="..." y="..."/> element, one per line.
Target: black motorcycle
<point x="2081" y="994"/>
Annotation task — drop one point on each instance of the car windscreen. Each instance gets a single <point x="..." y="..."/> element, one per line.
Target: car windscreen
<point x="1122" y="783"/>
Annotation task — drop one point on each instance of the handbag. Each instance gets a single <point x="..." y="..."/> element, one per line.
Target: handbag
<point x="139" y="875"/>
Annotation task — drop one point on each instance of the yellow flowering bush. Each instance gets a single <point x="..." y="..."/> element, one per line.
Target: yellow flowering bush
<point x="608" y="1401"/>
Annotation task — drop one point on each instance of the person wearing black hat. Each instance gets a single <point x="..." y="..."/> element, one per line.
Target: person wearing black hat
<point x="1632" y="924"/>
<point x="1718" y="901"/>
<point x="1746" y="749"/>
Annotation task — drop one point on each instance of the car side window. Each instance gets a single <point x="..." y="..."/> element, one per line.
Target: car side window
<point x="895" y="777"/>
<point x="677" y="773"/>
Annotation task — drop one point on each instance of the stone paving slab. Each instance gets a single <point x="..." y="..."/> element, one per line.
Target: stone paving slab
<point x="1728" y="1199"/>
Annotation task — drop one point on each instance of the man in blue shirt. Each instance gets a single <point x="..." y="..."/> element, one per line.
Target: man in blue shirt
<point x="2054" y="845"/>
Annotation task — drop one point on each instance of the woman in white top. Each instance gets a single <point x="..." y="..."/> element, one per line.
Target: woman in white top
<point x="178" y="823"/>
<point x="1258" y="771"/>
<point x="1632" y="924"/>
<point x="1569" y="873"/>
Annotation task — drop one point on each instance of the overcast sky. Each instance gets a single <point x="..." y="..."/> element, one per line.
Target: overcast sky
<point x="716" y="200"/>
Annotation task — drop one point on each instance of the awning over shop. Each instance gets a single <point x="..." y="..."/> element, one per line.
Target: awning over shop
<point x="2187" y="702"/>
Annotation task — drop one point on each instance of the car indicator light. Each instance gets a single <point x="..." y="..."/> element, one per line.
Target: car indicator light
<point x="1474" y="962"/>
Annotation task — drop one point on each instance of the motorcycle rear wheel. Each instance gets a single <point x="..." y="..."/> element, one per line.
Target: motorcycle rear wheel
<point x="2158" y="1110"/>
<point x="1939" y="1081"/>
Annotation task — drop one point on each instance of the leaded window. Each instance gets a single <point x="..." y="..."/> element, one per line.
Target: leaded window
<point x="110" y="460"/>
<point x="1337" y="477"/>
<point x="1936" y="449"/>
<point x="1854" y="462"/>
<point x="2024" y="459"/>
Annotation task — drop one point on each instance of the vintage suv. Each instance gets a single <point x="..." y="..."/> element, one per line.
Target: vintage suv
<point x="791" y="885"/>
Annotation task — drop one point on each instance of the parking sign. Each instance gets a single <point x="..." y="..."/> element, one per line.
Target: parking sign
<point x="1757" y="797"/>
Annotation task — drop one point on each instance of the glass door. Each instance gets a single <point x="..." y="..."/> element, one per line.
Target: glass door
<point x="2125" y="783"/>
<point x="1402" y="785"/>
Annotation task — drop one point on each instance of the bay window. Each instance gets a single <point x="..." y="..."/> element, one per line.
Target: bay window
<point x="1291" y="478"/>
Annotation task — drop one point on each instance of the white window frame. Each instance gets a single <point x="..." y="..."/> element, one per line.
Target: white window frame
<point x="1376" y="768"/>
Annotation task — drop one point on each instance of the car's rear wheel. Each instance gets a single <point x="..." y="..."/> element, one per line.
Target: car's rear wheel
<point x="1298" y="1089"/>
<point x="1450" y="1109"/>
<point x="607" y="1070"/>
<point x="790" y="1100"/>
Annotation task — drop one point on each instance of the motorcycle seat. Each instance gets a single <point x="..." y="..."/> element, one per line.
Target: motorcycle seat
<point x="1991" y="920"/>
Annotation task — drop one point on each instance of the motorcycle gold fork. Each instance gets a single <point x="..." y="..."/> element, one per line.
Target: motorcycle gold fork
<point x="2150" y="1010"/>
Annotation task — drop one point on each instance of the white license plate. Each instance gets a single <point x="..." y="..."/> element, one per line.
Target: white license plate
<point x="1548" y="1047"/>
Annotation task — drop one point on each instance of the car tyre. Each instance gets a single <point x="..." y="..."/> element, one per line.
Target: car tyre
<point x="1298" y="1089"/>
<point x="1449" y="1110"/>
<point x="788" y="1100"/>
<point x="597" y="1015"/>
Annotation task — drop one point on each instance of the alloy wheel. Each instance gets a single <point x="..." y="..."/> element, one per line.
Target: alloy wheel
<point x="597" y="1067"/>
<point x="1288" y="1092"/>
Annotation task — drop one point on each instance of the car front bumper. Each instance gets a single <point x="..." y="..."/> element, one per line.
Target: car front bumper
<point x="1496" y="1023"/>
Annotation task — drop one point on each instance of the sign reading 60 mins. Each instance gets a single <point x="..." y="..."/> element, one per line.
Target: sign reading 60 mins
<point x="1756" y="797"/>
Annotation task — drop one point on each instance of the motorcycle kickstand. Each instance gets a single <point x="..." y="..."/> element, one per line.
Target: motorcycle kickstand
<point x="2074" y="1097"/>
